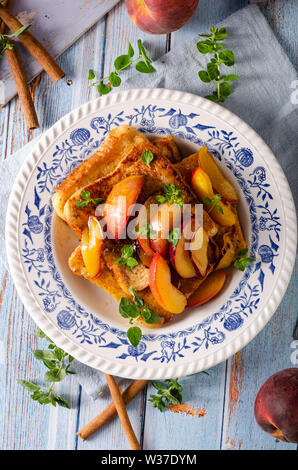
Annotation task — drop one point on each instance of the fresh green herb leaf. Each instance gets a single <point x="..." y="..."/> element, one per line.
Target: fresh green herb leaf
<point x="103" y="89"/>
<point x="214" y="203"/>
<point x="146" y="232"/>
<point x="147" y="157"/>
<point x="168" y="392"/>
<point x="114" y="79"/>
<point x="204" y="76"/>
<point x="160" y="199"/>
<point x="54" y="359"/>
<point x="5" y="39"/>
<point x="128" y="309"/>
<point x="85" y="195"/>
<point x="172" y="196"/>
<point x="55" y="375"/>
<point x="144" y="68"/>
<point x="126" y="257"/>
<point x="134" y="310"/>
<point x="241" y="261"/>
<point x="131" y="52"/>
<point x="28" y="385"/>
<point x="19" y="31"/>
<point x="174" y="236"/>
<point x="134" y="335"/>
<point x="210" y="45"/>
<point x="121" y="63"/>
<point x="91" y="74"/>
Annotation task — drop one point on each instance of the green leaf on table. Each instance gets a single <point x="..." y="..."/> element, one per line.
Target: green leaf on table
<point x="122" y="62"/>
<point x="43" y="355"/>
<point x="204" y="76"/>
<point x="55" y="375"/>
<point x="204" y="47"/>
<point x="130" y="51"/>
<point x="91" y="74"/>
<point x="143" y="67"/>
<point x="114" y="79"/>
<point x="212" y="71"/>
<point x="227" y="57"/>
<point x="28" y="385"/>
<point x="103" y="89"/>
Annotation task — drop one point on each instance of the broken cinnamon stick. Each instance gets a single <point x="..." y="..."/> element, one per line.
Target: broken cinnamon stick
<point x="121" y="410"/>
<point x="23" y="90"/>
<point x="104" y="417"/>
<point x="35" y="48"/>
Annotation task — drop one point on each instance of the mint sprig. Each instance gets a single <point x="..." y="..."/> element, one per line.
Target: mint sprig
<point x="241" y="261"/>
<point x="133" y="310"/>
<point x="168" y="392"/>
<point x="214" y="203"/>
<point x="57" y="362"/>
<point x="127" y="258"/>
<point x="147" y="157"/>
<point x="146" y="231"/>
<point x="172" y="195"/>
<point x="174" y="236"/>
<point x="121" y="63"/>
<point x="5" y="39"/>
<point x="211" y="45"/>
<point x="85" y="199"/>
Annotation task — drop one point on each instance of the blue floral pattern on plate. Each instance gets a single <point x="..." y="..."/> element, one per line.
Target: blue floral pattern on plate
<point x="56" y="299"/>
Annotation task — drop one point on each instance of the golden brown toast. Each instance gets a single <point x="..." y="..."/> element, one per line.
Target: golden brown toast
<point x="158" y="174"/>
<point x="108" y="282"/>
<point x="119" y="158"/>
<point x="116" y="145"/>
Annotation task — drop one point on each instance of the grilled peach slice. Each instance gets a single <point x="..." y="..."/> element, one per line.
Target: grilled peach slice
<point x="144" y="244"/>
<point x="202" y="186"/>
<point x="199" y="251"/>
<point x="163" y="221"/>
<point x="119" y="204"/>
<point x="209" y="288"/>
<point x="180" y="258"/>
<point x="91" y="247"/>
<point x="164" y="292"/>
<point x="219" y="182"/>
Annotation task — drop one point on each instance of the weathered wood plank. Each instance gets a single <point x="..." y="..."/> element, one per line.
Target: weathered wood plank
<point x="244" y="374"/>
<point x="268" y="353"/>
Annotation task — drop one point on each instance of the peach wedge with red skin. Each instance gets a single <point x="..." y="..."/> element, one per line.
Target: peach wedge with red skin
<point x="209" y="288"/>
<point x="199" y="251"/>
<point x="91" y="247"/>
<point x="164" y="292"/>
<point x="160" y="16"/>
<point x="165" y="218"/>
<point x="180" y="257"/>
<point x="219" y="182"/>
<point x="119" y="204"/>
<point x="202" y="186"/>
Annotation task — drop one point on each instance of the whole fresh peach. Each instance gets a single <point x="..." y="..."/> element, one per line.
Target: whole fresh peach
<point x="276" y="405"/>
<point x="160" y="16"/>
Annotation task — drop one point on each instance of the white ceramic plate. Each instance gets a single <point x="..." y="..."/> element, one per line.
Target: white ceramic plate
<point x="84" y="320"/>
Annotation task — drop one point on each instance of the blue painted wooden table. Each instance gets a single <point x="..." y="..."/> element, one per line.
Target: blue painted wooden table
<point x="229" y="391"/>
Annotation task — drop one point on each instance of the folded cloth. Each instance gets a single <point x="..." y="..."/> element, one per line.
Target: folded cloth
<point x="263" y="96"/>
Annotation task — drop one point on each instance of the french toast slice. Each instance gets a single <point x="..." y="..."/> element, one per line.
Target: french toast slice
<point x="110" y="284"/>
<point x="113" y="149"/>
<point x="158" y="174"/>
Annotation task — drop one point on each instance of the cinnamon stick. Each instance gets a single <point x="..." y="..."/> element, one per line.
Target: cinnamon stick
<point x="23" y="90"/>
<point x="121" y="410"/>
<point x="35" y="48"/>
<point x="100" y="420"/>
